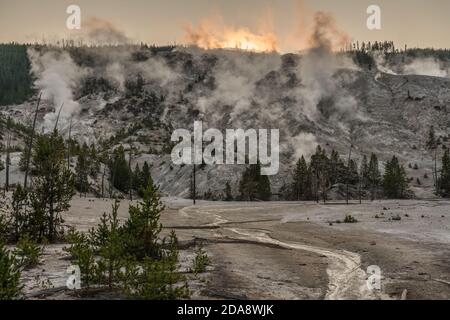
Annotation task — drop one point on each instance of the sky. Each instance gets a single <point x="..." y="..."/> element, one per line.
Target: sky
<point x="416" y="23"/>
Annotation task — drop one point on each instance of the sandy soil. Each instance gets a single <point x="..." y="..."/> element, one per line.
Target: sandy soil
<point x="290" y="250"/>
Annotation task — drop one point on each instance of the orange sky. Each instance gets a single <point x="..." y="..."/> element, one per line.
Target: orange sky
<point x="421" y="23"/>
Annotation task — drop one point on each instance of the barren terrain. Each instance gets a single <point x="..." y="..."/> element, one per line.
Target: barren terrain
<point x="285" y="250"/>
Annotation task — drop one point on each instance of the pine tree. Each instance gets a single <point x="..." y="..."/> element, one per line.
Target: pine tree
<point x="353" y="176"/>
<point x="394" y="180"/>
<point x="9" y="275"/>
<point x="445" y="174"/>
<point x="120" y="171"/>
<point x="82" y="171"/>
<point x="432" y="147"/>
<point x="110" y="248"/>
<point x="15" y="74"/>
<point x="137" y="175"/>
<point x="94" y="163"/>
<point x="334" y="167"/>
<point x="53" y="184"/>
<point x="320" y="173"/>
<point x="146" y="177"/>
<point x="364" y="171"/>
<point x="141" y="231"/>
<point x="300" y="179"/>
<point x="228" y="193"/>
<point x="253" y="185"/>
<point x="263" y="187"/>
<point x="373" y="176"/>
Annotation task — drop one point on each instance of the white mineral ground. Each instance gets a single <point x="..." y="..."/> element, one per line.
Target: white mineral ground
<point x="282" y="250"/>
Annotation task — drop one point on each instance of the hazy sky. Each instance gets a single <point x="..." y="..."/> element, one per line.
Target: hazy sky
<point x="413" y="22"/>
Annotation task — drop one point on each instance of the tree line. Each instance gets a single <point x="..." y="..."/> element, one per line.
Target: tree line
<point x="16" y="81"/>
<point x="127" y="259"/>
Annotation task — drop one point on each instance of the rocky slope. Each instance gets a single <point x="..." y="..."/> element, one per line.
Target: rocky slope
<point x="138" y="96"/>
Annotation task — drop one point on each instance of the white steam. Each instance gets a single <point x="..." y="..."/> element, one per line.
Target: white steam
<point x="57" y="77"/>
<point x="426" y="67"/>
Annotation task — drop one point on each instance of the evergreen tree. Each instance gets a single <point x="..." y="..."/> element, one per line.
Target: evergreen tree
<point x="228" y="193"/>
<point x="395" y="182"/>
<point x="141" y="231"/>
<point x="110" y="248"/>
<point x="120" y="171"/>
<point x="146" y="177"/>
<point x="9" y="275"/>
<point x="253" y="185"/>
<point x="16" y="80"/>
<point x="320" y="173"/>
<point x="53" y="184"/>
<point x="364" y="171"/>
<point x="141" y="178"/>
<point x="373" y="176"/>
<point x="300" y="180"/>
<point x="353" y="175"/>
<point x="263" y="187"/>
<point x="445" y="174"/>
<point x="432" y="147"/>
<point x="94" y="163"/>
<point x="335" y="167"/>
<point x="82" y="171"/>
<point x="137" y="177"/>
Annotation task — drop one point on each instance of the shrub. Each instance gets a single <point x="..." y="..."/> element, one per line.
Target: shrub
<point x="350" y="219"/>
<point x="28" y="252"/>
<point x="110" y="248"/>
<point x="201" y="261"/>
<point x="141" y="230"/>
<point x="83" y="256"/>
<point x="4" y="227"/>
<point x="9" y="275"/>
<point x="396" y="218"/>
<point x="158" y="279"/>
<point x="155" y="280"/>
<point x="132" y="258"/>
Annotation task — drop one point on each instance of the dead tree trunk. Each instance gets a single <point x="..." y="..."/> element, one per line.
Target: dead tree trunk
<point x="30" y="144"/>
<point x="348" y="171"/>
<point x="69" y="144"/>
<point x="131" y="174"/>
<point x="8" y="160"/>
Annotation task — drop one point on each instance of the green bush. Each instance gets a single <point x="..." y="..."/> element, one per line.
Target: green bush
<point x="350" y="219"/>
<point x="83" y="256"/>
<point x="28" y="252"/>
<point x="5" y="227"/>
<point x="110" y="248"/>
<point x="9" y="275"/>
<point x="157" y="279"/>
<point x="141" y="230"/>
<point x="201" y="261"/>
<point x="132" y="258"/>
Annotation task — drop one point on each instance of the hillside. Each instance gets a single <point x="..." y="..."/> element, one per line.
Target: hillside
<point x="136" y="96"/>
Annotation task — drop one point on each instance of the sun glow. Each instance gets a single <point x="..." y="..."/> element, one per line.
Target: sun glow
<point x="209" y="36"/>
